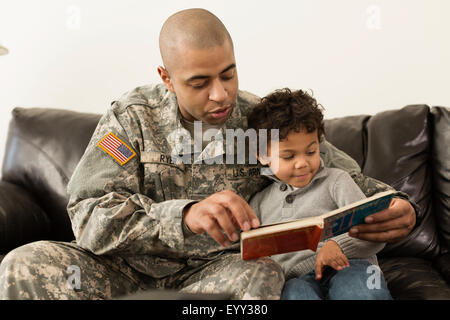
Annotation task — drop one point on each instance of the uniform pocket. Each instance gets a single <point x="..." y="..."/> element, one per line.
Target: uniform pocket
<point x="173" y="183"/>
<point x="164" y="180"/>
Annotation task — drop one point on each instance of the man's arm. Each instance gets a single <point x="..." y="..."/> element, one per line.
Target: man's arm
<point x="108" y="208"/>
<point x="112" y="210"/>
<point x="388" y="225"/>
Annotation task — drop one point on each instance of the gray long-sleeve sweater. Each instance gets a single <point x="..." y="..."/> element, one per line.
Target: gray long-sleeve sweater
<point x="329" y="189"/>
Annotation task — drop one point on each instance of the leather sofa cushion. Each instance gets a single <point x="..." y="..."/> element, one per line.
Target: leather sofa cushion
<point x="413" y="278"/>
<point x="43" y="149"/>
<point x="341" y="131"/>
<point x="21" y="219"/>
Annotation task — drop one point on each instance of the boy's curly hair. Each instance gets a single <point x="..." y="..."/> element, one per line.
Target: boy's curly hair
<point x="287" y="111"/>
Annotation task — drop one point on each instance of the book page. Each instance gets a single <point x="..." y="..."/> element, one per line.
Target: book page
<point x="283" y="226"/>
<point x="341" y="220"/>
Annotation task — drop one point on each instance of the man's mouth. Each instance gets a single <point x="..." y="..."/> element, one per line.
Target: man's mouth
<point x="220" y="113"/>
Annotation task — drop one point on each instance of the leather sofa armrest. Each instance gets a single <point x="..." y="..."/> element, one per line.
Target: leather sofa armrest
<point x="442" y="264"/>
<point x="21" y="219"/>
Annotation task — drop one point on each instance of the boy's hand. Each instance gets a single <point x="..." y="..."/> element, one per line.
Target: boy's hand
<point x="330" y="255"/>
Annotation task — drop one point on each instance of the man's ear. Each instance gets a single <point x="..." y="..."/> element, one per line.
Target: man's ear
<point x="265" y="160"/>
<point x="165" y="77"/>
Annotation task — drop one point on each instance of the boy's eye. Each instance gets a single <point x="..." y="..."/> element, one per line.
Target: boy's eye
<point x="310" y="153"/>
<point x="288" y="157"/>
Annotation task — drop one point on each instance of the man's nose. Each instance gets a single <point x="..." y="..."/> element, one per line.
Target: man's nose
<point x="218" y="92"/>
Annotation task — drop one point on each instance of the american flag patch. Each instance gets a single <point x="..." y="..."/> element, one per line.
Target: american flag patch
<point x="116" y="148"/>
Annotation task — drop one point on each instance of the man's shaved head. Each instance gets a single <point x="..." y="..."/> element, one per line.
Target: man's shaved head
<point x="199" y="65"/>
<point x="193" y="28"/>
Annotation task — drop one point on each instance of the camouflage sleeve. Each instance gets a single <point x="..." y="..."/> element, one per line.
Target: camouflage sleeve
<point x="107" y="207"/>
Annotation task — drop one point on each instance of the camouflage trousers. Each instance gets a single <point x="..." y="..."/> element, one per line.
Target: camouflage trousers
<point x="63" y="270"/>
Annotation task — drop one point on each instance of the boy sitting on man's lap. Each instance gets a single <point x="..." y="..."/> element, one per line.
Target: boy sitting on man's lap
<point x="303" y="187"/>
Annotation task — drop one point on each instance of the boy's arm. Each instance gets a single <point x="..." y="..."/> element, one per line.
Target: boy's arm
<point x="345" y="191"/>
<point x="388" y="225"/>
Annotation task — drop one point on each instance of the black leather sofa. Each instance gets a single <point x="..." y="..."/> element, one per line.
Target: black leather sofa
<point x="408" y="148"/>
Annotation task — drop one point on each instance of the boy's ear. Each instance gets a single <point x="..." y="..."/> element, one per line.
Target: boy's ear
<point x="265" y="160"/>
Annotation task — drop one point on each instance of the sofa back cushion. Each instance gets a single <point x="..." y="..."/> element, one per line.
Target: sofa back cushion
<point x="396" y="149"/>
<point x="43" y="148"/>
<point x="441" y="172"/>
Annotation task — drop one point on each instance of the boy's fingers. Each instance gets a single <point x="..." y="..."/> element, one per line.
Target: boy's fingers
<point x="344" y="261"/>
<point x="336" y="265"/>
<point x="319" y="267"/>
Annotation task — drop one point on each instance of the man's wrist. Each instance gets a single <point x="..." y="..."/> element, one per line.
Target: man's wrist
<point x="186" y="231"/>
<point x="416" y="207"/>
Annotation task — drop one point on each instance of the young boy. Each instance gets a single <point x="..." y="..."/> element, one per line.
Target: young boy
<point x="342" y="266"/>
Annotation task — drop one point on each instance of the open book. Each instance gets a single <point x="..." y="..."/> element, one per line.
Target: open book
<point x="306" y="233"/>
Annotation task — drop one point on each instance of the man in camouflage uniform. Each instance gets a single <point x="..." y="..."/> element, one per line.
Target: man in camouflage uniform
<point x="142" y="218"/>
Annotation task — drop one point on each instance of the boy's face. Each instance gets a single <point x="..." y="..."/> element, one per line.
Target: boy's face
<point x="298" y="159"/>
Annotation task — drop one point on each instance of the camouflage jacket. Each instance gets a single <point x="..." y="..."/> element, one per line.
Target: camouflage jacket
<point x="130" y="203"/>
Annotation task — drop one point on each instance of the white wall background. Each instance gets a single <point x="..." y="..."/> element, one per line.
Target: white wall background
<point x="358" y="56"/>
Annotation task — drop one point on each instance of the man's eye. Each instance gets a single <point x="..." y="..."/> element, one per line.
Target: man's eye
<point x="198" y="85"/>
<point x="227" y="77"/>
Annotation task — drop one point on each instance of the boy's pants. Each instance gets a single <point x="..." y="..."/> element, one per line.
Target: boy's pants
<point x="62" y="270"/>
<point x="360" y="281"/>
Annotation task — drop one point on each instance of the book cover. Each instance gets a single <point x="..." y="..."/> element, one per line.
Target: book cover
<point x="306" y="233"/>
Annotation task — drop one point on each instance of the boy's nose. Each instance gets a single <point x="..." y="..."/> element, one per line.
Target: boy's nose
<point x="300" y="163"/>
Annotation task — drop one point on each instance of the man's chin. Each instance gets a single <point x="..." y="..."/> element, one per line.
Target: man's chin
<point x="215" y="122"/>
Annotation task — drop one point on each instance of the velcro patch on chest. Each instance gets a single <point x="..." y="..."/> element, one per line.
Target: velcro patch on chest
<point x="116" y="148"/>
<point x="242" y="171"/>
